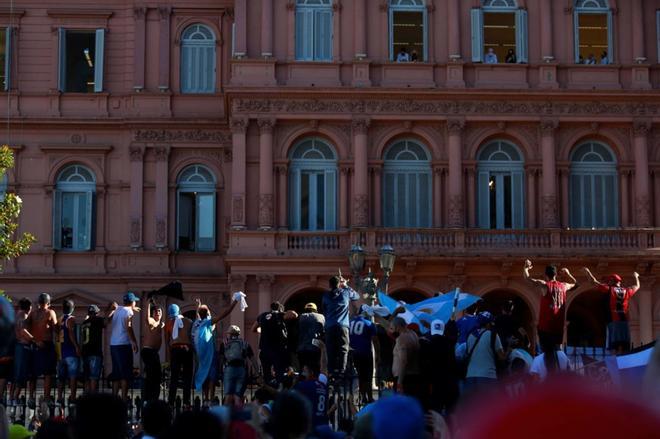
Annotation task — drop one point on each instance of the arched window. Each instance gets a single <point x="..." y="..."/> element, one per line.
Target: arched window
<point x="313" y="186"/>
<point x="197" y="60"/>
<point x="407" y="185"/>
<point x="499" y="32"/>
<point x="195" y="226"/>
<point x="594" y="201"/>
<point x="314" y="30"/>
<point x="500" y="188"/>
<point x="408" y="30"/>
<point x="73" y="214"/>
<point x="592" y="23"/>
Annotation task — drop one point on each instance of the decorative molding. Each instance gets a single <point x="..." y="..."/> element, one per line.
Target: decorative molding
<point x="643" y="211"/>
<point x="456" y="217"/>
<point x="239" y="125"/>
<point x="291" y="6"/>
<point x="549" y="211"/>
<point x="136" y="152"/>
<point x="164" y="12"/>
<point x="455" y="126"/>
<point x="266" y="125"/>
<point x="170" y="136"/>
<point x="79" y="13"/>
<point x="237" y="204"/>
<point x="161" y="233"/>
<point x="641" y="127"/>
<point x="548" y="126"/>
<point x="136" y="232"/>
<point x="162" y="153"/>
<point x="227" y="155"/>
<point x="266" y="219"/>
<point x="265" y="279"/>
<point x="361" y="210"/>
<point x="360" y="126"/>
<point x="139" y="13"/>
<point x="83" y="148"/>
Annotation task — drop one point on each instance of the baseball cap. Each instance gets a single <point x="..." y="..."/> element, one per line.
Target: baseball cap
<point x="484" y="318"/>
<point x="93" y="309"/>
<point x="311" y="306"/>
<point x="17" y="431"/>
<point x="614" y="277"/>
<point x="437" y="327"/>
<point x="233" y="329"/>
<point x="130" y="297"/>
<point x="173" y="310"/>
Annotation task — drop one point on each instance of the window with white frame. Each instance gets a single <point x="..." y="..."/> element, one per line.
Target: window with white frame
<point x="195" y="226"/>
<point x="499" y="32"/>
<point x="198" y="60"/>
<point x="73" y="204"/>
<point x="313" y="30"/>
<point x="407" y="185"/>
<point x="313" y="186"/>
<point x="5" y="57"/>
<point x="594" y="201"/>
<point x="500" y="191"/>
<point x="592" y="23"/>
<point x="81" y="60"/>
<point x="408" y="31"/>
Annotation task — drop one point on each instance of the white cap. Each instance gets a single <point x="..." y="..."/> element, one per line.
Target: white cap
<point x="437" y="327"/>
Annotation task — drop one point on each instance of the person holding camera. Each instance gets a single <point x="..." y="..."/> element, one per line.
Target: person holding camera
<point x="336" y="304"/>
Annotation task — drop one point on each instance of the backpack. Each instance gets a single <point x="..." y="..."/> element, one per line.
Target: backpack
<point x="234" y="350"/>
<point x="274" y="328"/>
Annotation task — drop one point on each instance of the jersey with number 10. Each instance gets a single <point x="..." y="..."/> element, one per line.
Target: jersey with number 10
<point x="317" y="394"/>
<point x="361" y="331"/>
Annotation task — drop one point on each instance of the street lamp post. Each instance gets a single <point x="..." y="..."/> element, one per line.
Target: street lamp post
<point x="387" y="257"/>
<point x="367" y="285"/>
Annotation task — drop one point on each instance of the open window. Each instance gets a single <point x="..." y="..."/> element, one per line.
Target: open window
<point x="73" y="204"/>
<point x="196" y="209"/>
<point x="408" y="31"/>
<point x="592" y="23"/>
<point x="5" y="57"/>
<point x="499" y="32"/>
<point x="81" y="60"/>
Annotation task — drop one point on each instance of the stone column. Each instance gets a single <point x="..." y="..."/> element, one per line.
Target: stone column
<point x="162" y="155"/>
<point x="549" y="206"/>
<point x="546" y="30"/>
<point x="437" y="196"/>
<point x="264" y="292"/>
<point x="238" y="129"/>
<point x="360" y="26"/>
<point x="291" y="30"/>
<point x="137" y="184"/>
<point x="471" y="207"/>
<point x="266" y="220"/>
<point x="240" y="18"/>
<point x="139" y="13"/>
<point x="645" y="304"/>
<point x="378" y="196"/>
<point x="361" y="179"/>
<point x="281" y="196"/>
<point x="456" y="212"/>
<point x="637" y="26"/>
<point x="336" y="30"/>
<point x="565" y="217"/>
<point x="164" y="46"/>
<point x="454" y="29"/>
<point x="267" y="28"/>
<point x="531" y="198"/>
<point x="642" y="185"/>
<point x="343" y="197"/>
<point x="625" y="193"/>
<point x="431" y="33"/>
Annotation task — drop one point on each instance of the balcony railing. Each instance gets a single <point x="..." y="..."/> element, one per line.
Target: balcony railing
<point x="436" y="242"/>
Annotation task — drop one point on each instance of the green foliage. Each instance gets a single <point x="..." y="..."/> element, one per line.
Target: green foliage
<point x="11" y="245"/>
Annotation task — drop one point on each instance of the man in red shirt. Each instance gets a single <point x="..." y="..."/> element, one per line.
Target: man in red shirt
<point x="552" y="313"/>
<point x="618" y="332"/>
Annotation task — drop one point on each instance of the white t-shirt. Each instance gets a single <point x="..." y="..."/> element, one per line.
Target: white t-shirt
<point x="119" y="333"/>
<point x="482" y="363"/>
<point x="538" y="365"/>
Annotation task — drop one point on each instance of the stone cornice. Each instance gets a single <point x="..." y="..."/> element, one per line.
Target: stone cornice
<point x="446" y="108"/>
<point x="169" y="136"/>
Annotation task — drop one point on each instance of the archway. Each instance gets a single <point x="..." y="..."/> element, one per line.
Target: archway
<point x="587" y="318"/>
<point x="522" y="316"/>
<point x="409" y="296"/>
<point x="297" y="301"/>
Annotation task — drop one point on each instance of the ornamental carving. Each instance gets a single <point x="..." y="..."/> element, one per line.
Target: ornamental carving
<point x="136" y="228"/>
<point x="137" y="153"/>
<point x="641" y="128"/>
<point x="549" y="213"/>
<point x="160" y="232"/>
<point x="266" y="210"/>
<point x="360" y="126"/>
<point x="455" y="126"/>
<point x="139" y="13"/>
<point x="266" y="125"/>
<point x="237" y="214"/>
<point x="239" y="125"/>
<point x="182" y="136"/>
<point x="643" y="207"/>
<point x="162" y="153"/>
<point x="456" y="217"/>
<point x="548" y="127"/>
<point x="360" y="210"/>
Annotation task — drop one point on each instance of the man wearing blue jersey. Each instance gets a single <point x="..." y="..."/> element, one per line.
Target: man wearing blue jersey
<point x="362" y="333"/>
<point x="316" y="392"/>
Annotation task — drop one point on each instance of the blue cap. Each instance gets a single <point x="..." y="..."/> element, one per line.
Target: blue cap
<point x="397" y="416"/>
<point x="173" y="310"/>
<point x="484" y="318"/>
<point x="131" y="297"/>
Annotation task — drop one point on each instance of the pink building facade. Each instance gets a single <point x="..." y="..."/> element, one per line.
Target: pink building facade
<point x="246" y="145"/>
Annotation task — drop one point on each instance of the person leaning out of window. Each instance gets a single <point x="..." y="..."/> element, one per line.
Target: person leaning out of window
<point x="510" y="57"/>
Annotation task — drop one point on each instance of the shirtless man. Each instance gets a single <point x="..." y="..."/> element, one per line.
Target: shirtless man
<point x="23" y="351"/>
<point x="180" y="353"/>
<point x="70" y="352"/>
<point x="43" y="323"/>
<point x="151" y="342"/>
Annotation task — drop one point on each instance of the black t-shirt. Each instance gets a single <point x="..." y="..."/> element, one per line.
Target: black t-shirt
<point x="273" y="331"/>
<point x="91" y="335"/>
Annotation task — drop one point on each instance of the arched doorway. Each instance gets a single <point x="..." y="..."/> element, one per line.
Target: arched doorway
<point x="587" y="318"/>
<point x="297" y="301"/>
<point x="522" y="316"/>
<point x="409" y="296"/>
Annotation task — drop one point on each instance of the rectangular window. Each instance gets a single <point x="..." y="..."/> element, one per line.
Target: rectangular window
<point x="408" y="36"/>
<point x="593" y="38"/>
<point x="5" y="56"/>
<point x="500" y="36"/>
<point x="196" y="221"/>
<point x="313" y="34"/>
<point x="73" y="220"/>
<point x="81" y="60"/>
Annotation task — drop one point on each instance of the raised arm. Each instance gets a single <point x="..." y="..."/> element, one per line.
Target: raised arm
<point x="573" y="282"/>
<point x="526" y="269"/>
<point x="636" y="286"/>
<point x="591" y="277"/>
<point x="226" y="312"/>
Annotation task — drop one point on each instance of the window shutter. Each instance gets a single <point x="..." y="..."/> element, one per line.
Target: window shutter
<point x="209" y="60"/>
<point x="98" y="60"/>
<point x="57" y="219"/>
<point x="612" y="197"/>
<point x="85" y="222"/>
<point x="294" y="200"/>
<point x="388" y="199"/>
<point x="323" y="35"/>
<point x="205" y="222"/>
<point x="412" y="202"/>
<point x="477" y="20"/>
<point x="517" y="200"/>
<point x="331" y="200"/>
<point x="424" y="200"/>
<point x="304" y="34"/>
<point x="521" y="36"/>
<point x="610" y="36"/>
<point x="576" y="36"/>
<point x="8" y="47"/>
<point x="483" y="200"/>
<point x="186" y="68"/>
<point x="61" y="56"/>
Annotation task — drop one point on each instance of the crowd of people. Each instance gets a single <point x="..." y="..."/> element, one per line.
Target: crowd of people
<point x="420" y="372"/>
